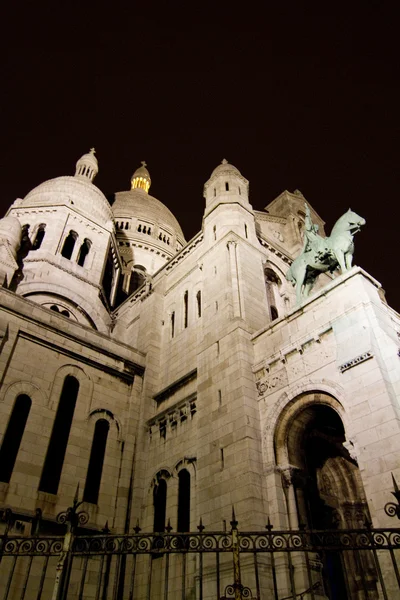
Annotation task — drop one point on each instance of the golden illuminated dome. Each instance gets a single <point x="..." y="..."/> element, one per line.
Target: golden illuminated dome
<point x="141" y="178"/>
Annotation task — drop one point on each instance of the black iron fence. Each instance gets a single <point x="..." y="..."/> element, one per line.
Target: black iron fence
<point x="342" y="564"/>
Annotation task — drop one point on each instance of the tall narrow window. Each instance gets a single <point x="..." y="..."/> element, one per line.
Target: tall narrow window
<point x="83" y="252"/>
<point x="215" y="232"/>
<point x="160" y="505"/>
<point x="185" y="308"/>
<point x="184" y="501"/>
<point x="39" y="236"/>
<point x="137" y="278"/>
<point x="59" y="437"/>
<point x="272" y="283"/>
<point x="198" y="299"/>
<point x="274" y="312"/>
<point x="69" y="244"/>
<point x="13" y="436"/>
<point x="226" y="186"/>
<point x="173" y="324"/>
<point x="96" y="461"/>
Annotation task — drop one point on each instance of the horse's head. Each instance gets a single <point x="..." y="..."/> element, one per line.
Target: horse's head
<point x="350" y="221"/>
<point x="355" y="222"/>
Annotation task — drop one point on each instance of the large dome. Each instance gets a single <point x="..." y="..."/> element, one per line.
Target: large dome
<point x="76" y="192"/>
<point x="139" y="204"/>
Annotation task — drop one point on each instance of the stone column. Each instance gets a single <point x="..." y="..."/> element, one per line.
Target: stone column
<point x="237" y="310"/>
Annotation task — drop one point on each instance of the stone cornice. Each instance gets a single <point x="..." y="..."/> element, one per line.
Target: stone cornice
<point x="175" y="386"/>
<point x="128" y="368"/>
<point x="69" y="271"/>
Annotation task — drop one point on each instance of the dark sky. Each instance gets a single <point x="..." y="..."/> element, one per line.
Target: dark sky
<point x="293" y="97"/>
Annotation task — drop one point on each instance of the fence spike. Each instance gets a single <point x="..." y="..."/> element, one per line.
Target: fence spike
<point x="200" y="526"/>
<point x="106" y="529"/>
<point x="269" y="525"/>
<point x="234" y="522"/>
<point x="76" y="497"/>
<point x="168" y="527"/>
<point x="396" y="492"/>
<point x="136" y="529"/>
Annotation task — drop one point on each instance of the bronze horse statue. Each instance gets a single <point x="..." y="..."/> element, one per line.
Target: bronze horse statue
<point x="324" y="254"/>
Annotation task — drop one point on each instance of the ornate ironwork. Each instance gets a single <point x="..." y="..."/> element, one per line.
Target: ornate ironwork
<point x="392" y="509"/>
<point x="232" y="591"/>
<point x="246" y="551"/>
<point x="71" y="517"/>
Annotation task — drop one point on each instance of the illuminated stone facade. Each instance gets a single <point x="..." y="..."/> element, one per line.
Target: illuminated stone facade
<point x="194" y="358"/>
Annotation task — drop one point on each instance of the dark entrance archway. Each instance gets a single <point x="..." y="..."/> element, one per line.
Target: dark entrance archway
<point x="327" y="489"/>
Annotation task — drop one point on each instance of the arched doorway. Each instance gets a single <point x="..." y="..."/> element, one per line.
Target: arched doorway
<point x="323" y="486"/>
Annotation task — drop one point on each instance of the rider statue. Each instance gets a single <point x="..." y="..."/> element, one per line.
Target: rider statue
<point x="320" y="255"/>
<point x="312" y="240"/>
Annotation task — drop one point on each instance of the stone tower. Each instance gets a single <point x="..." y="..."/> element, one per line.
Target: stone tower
<point x="68" y="235"/>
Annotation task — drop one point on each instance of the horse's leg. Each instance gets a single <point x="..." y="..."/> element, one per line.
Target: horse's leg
<point x="340" y="258"/>
<point x="307" y="288"/>
<point x="349" y="260"/>
<point x="301" y="275"/>
<point x="299" y="285"/>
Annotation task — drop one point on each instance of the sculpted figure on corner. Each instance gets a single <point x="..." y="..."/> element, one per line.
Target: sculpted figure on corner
<point x="323" y="254"/>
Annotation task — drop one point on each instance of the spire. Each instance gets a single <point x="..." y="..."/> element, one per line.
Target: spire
<point x="141" y="178"/>
<point x="87" y="166"/>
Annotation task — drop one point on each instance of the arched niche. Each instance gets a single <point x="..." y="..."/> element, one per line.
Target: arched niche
<point x="322" y="483"/>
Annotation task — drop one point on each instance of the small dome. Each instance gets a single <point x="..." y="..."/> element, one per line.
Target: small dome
<point x="141" y="178"/>
<point x="137" y="203"/>
<point x="10" y="229"/>
<point x="225" y="168"/>
<point x="87" y="166"/>
<point x="220" y="178"/>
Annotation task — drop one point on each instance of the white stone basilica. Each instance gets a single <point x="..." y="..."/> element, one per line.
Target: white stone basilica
<point x="174" y="379"/>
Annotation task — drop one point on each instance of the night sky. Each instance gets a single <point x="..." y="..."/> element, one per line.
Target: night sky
<point x="293" y="97"/>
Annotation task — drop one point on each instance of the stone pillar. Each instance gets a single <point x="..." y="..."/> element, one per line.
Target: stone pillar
<point x="237" y="310"/>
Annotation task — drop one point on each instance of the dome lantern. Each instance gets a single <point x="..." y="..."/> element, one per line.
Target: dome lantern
<point x="87" y="166"/>
<point x="141" y="178"/>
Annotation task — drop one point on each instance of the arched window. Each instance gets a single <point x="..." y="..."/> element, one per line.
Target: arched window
<point x="160" y="505"/>
<point x="84" y="251"/>
<point x="59" y="436"/>
<point x="96" y="461"/>
<point x="272" y="283"/>
<point x="137" y="278"/>
<point x="184" y="501"/>
<point x="39" y="236"/>
<point x="185" y="308"/>
<point x="173" y="324"/>
<point x="274" y="312"/>
<point x="13" y="436"/>
<point x="69" y="244"/>
<point x="198" y="300"/>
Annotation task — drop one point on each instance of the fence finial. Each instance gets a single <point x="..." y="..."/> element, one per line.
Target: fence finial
<point x="392" y="509"/>
<point x="234" y="522"/>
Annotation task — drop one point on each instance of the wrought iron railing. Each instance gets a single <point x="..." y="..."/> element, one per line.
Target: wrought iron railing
<point x="341" y="564"/>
